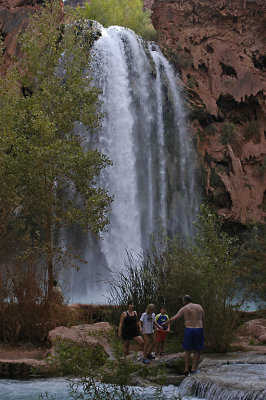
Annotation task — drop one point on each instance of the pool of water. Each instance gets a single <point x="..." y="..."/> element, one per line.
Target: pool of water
<point x="58" y="390"/>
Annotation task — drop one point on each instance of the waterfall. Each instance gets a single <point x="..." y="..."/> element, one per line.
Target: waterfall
<point x="223" y="380"/>
<point x="144" y="133"/>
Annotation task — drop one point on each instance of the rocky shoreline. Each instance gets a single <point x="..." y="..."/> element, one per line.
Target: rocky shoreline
<point x="24" y="363"/>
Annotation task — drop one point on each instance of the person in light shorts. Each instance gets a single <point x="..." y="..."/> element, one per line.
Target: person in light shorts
<point x="148" y="323"/>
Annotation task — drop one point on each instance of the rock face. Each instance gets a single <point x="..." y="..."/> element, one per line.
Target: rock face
<point x="218" y="47"/>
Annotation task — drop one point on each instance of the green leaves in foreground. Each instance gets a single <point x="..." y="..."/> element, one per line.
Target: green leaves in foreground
<point x="97" y="377"/>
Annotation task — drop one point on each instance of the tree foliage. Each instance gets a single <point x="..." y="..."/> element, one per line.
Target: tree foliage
<point x="205" y="268"/>
<point x="252" y="264"/>
<point x="127" y="13"/>
<point x="47" y="173"/>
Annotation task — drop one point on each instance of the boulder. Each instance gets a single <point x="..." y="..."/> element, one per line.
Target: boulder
<point x="262" y="339"/>
<point x="93" y="334"/>
<point x="253" y="329"/>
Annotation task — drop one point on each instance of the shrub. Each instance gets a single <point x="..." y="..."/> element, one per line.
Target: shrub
<point x="201" y="114"/>
<point x="203" y="267"/>
<point x="228" y="131"/>
<point x="127" y="13"/>
<point x="192" y="82"/>
<point x="115" y="374"/>
<point x="251" y="130"/>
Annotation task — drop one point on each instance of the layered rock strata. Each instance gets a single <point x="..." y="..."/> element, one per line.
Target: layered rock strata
<point x="218" y="47"/>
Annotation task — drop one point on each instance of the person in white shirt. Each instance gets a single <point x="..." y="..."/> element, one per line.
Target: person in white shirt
<point x="147" y="323"/>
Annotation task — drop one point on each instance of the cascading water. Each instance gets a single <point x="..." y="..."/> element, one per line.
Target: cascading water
<point x="144" y="133"/>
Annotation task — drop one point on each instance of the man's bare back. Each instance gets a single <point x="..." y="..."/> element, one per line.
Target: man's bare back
<point x="193" y="315"/>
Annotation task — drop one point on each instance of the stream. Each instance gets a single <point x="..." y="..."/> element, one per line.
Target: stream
<point x="57" y="389"/>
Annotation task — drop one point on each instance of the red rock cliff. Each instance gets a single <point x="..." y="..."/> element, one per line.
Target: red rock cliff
<point x="218" y="46"/>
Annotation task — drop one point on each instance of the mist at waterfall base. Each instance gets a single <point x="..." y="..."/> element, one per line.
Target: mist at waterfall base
<point x="153" y="176"/>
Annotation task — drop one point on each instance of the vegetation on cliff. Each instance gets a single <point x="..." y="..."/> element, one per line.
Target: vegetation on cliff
<point x="127" y="13"/>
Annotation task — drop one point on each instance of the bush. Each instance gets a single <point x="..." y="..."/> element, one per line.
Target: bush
<point x="252" y="262"/>
<point x="204" y="267"/>
<point x="228" y="132"/>
<point x="201" y="114"/>
<point x="192" y="81"/>
<point x="90" y="367"/>
<point x="251" y="130"/>
<point x="25" y="314"/>
<point x="127" y="13"/>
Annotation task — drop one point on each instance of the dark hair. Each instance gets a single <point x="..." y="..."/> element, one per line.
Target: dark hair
<point x="162" y="306"/>
<point x="187" y="298"/>
<point x="130" y="301"/>
<point x="55" y="283"/>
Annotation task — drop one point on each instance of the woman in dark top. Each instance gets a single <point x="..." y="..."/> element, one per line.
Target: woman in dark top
<point x="130" y="328"/>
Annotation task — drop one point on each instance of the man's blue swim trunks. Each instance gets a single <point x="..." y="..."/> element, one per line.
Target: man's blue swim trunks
<point x="193" y="339"/>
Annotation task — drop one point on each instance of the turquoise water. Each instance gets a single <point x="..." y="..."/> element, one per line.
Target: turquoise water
<point x="58" y="390"/>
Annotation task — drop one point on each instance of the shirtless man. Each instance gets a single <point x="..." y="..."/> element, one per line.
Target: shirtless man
<point x="193" y="336"/>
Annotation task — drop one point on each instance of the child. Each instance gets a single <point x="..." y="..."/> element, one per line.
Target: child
<point x="148" y="322"/>
<point x="161" y="334"/>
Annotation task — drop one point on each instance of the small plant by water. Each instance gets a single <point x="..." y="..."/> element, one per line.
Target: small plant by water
<point x="97" y="377"/>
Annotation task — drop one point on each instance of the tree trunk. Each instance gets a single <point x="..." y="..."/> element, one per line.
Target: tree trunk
<point x="49" y="250"/>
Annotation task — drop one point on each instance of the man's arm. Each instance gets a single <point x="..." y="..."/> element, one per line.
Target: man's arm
<point x="177" y="316"/>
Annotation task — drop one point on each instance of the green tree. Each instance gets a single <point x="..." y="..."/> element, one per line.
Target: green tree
<point x="252" y="264"/>
<point x="127" y="13"/>
<point x="204" y="267"/>
<point x="47" y="172"/>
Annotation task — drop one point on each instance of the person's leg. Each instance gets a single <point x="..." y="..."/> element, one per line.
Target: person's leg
<point x="146" y="343"/>
<point x="187" y="358"/>
<point x="198" y="345"/>
<point x="195" y="363"/>
<point x="139" y="341"/>
<point x="163" y="340"/>
<point x="157" y="347"/>
<point x="152" y="343"/>
<point x="157" y="342"/>
<point x="126" y="347"/>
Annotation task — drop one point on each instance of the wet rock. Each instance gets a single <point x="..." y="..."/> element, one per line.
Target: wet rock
<point x="229" y="377"/>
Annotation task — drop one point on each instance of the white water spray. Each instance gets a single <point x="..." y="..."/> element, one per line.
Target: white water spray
<point x="144" y="133"/>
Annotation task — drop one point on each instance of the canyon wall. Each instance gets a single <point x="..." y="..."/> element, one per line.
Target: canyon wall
<point x="218" y="48"/>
